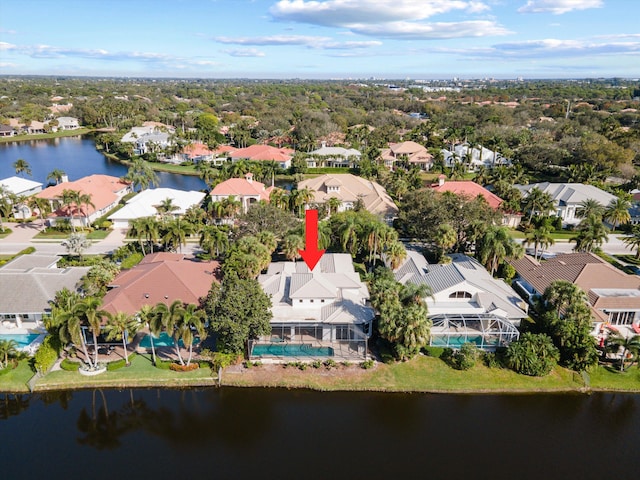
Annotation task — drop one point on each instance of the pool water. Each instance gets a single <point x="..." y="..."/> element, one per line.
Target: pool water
<point x="291" y="350"/>
<point x="23" y="340"/>
<point x="458" y="341"/>
<point x="164" y="340"/>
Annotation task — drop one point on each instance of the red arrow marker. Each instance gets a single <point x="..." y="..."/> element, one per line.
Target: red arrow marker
<point x="311" y="255"/>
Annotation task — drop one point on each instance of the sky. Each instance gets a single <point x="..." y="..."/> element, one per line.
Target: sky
<point x="321" y="39"/>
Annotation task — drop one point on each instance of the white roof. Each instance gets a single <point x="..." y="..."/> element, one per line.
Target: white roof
<point x="337" y="152"/>
<point x="17" y="185"/>
<point x="143" y="204"/>
<point x="570" y="193"/>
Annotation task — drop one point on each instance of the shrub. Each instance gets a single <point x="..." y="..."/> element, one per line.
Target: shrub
<point x="176" y="367"/>
<point x="367" y="364"/>
<point x="462" y="359"/>
<point x="69" y="365"/>
<point x="46" y="355"/>
<point x="346" y="364"/>
<point x="330" y="363"/>
<point x="435" y="352"/>
<point x="111" y="366"/>
<point x="106" y="225"/>
<point x="163" y="365"/>
<point x="316" y="364"/>
<point x="13" y="363"/>
<point x="131" y="261"/>
<point x="27" y="251"/>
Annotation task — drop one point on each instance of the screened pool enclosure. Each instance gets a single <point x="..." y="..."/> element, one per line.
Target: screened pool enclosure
<point x="486" y="331"/>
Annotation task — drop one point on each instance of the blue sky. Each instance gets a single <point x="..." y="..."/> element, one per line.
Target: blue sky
<point x="421" y="39"/>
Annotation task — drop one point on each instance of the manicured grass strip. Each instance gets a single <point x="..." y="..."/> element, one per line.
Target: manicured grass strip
<point x="141" y="373"/>
<point x="16" y="380"/>
<point x="610" y="379"/>
<point x="422" y="374"/>
<point x="55" y="235"/>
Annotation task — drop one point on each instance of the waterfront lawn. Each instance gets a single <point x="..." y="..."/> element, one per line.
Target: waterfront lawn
<point x="608" y="378"/>
<point x="45" y="136"/>
<point x="141" y="373"/>
<point x="422" y="374"/>
<point x="16" y="380"/>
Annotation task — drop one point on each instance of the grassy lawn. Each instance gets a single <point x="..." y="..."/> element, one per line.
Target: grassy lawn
<point x="16" y="379"/>
<point x="141" y="373"/>
<point x="56" y="235"/>
<point x="45" y="136"/>
<point x="557" y="235"/>
<point x="422" y="374"/>
<point x="5" y="232"/>
<point x="604" y="378"/>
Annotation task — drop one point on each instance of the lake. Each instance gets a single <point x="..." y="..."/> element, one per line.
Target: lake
<point x="232" y="433"/>
<point x="78" y="157"/>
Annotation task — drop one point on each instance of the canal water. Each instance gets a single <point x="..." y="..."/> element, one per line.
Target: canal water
<point x="232" y="433"/>
<point x="78" y="157"/>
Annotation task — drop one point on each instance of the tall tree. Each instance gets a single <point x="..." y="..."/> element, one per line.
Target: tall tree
<point x="591" y="234"/>
<point x="496" y="246"/>
<point x="56" y="175"/>
<point x="21" y="167"/>
<point x="121" y="327"/>
<point x="617" y="212"/>
<point x="540" y="236"/>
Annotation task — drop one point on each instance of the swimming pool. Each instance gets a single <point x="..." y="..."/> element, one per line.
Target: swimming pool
<point x="23" y="340"/>
<point x="164" y="340"/>
<point x="290" y="350"/>
<point x="456" y="341"/>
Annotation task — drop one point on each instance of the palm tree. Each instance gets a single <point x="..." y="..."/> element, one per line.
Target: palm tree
<point x="145" y="316"/>
<point x="349" y="234"/>
<point x="333" y="204"/>
<point x="208" y="174"/>
<point x="90" y="307"/>
<point x="141" y="174"/>
<point x="279" y="198"/>
<point x="166" y="208"/>
<point x="21" y="166"/>
<point x="445" y="238"/>
<point x="291" y="246"/>
<point x="268" y="239"/>
<point x="69" y="318"/>
<point x="590" y="207"/>
<point x="539" y="236"/>
<point x="57" y="175"/>
<point x="85" y="199"/>
<point x="121" y="327"/>
<point x="591" y="234"/>
<point x="169" y="318"/>
<point x="629" y="345"/>
<point x="495" y="246"/>
<point x="213" y="239"/>
<point x="42" y="205"/>
<point x="561" y="293"/>
<point x="617" y="212"/>
<point x="394" y="254"/>
<point x="136" y="230"/>
<point x="633" y="240"/>
<point x="8" y="348"/>
<point x="191" y="319"/>
<point x="537" y="202"/>
<point x="150" y="228"/>
<point x="70" y="200"/>
<point x="175" y="233"/>
<point x="76" y="244"/>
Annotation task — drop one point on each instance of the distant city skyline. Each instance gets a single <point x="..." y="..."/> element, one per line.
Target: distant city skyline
<point x="421" y="39"/>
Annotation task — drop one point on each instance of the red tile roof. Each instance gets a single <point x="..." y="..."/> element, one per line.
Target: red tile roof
<point x="104" y="190"/>
<point x="469" y="189"/>
<point x="264" y="153"/>
<point x="240" y="187"/>
<point x="195" y="150"/>
<point x="161" y="278"/>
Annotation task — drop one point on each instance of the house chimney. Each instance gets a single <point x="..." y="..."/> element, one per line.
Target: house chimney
<point x="64" y="178"/>
<point x="324" y="144"/>
<point x="441" y="179"/>
<point x="249" y="177"/>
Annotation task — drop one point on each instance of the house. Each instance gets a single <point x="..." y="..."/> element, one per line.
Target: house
<point x="264" y="153"/>
<point x="470" y="189"/>
<point x="67" y="123"/>
<point x="160" y="278"/>
<point x="475" y="158"/>
<point x="323" y="313"/>
<point x="333" y="157"/>
<point x="410" y="152"/>
<point x="7" y="131"/>
<point x="106" y="191"/>
<point x="28" y="284"/>
<point x="567" y="197"/>
<point x="144" y="204"/>
<point x="614" y="296"/>
<point x="349" y="189"/>
<point x="149" y="138"/>
<point x="467" y="304"/>
<point x="21" y="187"/>
<point x="197" y="152"/>
<point x="246" y="190"/>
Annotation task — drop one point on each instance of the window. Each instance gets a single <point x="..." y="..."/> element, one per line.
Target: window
<point x="460" y="295"/>
<point x="621" y="318"/>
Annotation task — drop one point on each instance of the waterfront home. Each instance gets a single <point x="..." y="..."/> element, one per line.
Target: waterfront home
<point x="152" y="136"/>
<point x="67" y="123"/>
<point x="319" y="313"/>
<point x="466" y="303"/>
<point x="7" y="131"/>
<point x="614" y="296"/>
<point x="246" y="190"/>
<point x="197" y="152"/>
<point x="349" y="189"/>
<point x="145" y="204"/>
<point x="28" y="284"/>
<point x="161" y="278"/>
<point x="567" y="197"/>
<point x="105" y="191"/>
<point x="264" y="153"/>
<point x="333" y="157"/>
<point x="410" y="153"/>
<point x="21" y="187"/>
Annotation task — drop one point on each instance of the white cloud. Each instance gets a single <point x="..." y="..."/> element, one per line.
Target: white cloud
<point x="558" y="7"/>
<point x="7" y="46"/>
<point x="244" y="52"/>
<point x="344" y="12"/>
<point x="7" y="65"/>
<point x="303" y="40"/>
<point x="427" y="31"/>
